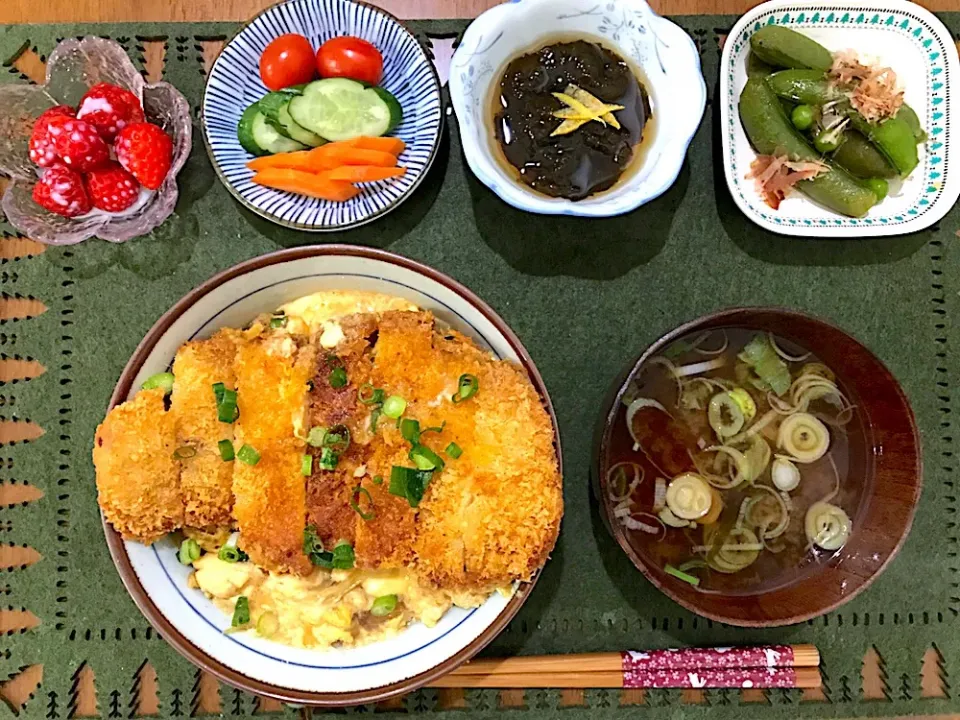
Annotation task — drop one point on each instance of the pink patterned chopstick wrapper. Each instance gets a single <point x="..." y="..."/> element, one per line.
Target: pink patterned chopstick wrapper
<point x="689" y="678"/>
<point x="724" y="667"/>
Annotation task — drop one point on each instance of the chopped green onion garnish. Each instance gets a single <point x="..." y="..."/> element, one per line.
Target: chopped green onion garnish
<point x="343" y="556"/>
<point x="394" y="406"/>
<point x="378" y="480"/>
<point x="316" y="435"/>
<point x="267" y="624"/>
<point x="679" y="574"/>
<point x="313" y="547"/>
<point x="410" y="429"/>
<point x="230" y="554"/>
<point x="384" y="605"/>
<point x="409" y="483"/>
<point x="306" y="465"/>
<point x="248" y="455"/>
<point x="182" y="453"/>
<point x="338" y="378"/>
<point x="425" y="458"/>
<point x="226" y="450"/>
<point x="227" y="413"/>
<point x="328" y="459"/>
<point x="438" y="429"/>
<point x="467" y="387"/>
<point x="337" y="438"/>
<point x="218" y="390"/>
<point x="241" y="612"/>
<point x="374" y="416"/>
<point x="227" y="410"/>
<point x="355" y="503"/>
<point x="189" y="551"/>
<point x="453" y="450"/>
<point x="369" y="395"/>
<point x="278" y="320"/>
<point x="160" y="380"/>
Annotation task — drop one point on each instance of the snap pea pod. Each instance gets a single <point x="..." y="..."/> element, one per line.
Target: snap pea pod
<point x="756" y="66"/>
<point x="808" y="87"/>
<point x="782" y="47"/>
<point x="860" y="158"/>
<point x="770" y="132"/>
<point x="909" y="116"/>
<point x="893" y="137"/>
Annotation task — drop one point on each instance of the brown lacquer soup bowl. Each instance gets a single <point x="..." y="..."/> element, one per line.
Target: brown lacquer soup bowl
<point x="813" y="495"/>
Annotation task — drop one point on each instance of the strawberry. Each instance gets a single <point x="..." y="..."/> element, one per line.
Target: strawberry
<point x="78" y="144"/>
<point x="42" y="151"/>
<point x="146" y="151"/>
<point x="109" y="109"/>
<point x="112" y="188"/>
<point x="60" y="190"/>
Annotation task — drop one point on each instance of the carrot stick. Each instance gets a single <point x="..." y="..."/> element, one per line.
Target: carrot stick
<point x="300" y="160"/>
<point x="333" y="155"/>
<point x="362" y="173"/>
<point x="392" y="145"/>
<point x="305" y="183"/>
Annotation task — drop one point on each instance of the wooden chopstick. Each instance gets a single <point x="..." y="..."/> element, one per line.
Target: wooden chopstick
<point x="687" y="658"/>
<point x="801" y="677"/>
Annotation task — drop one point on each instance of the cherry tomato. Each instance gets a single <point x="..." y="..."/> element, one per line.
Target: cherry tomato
<point x="288" y="60"/>
<point x="350" y="57"/>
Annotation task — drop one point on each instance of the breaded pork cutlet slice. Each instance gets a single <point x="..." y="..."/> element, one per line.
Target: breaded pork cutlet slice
<point x="334" y="405"/>
<point x="491" y="516"/>
<point x="272" y="373"/>
<point x="379" y="525"/>
<point x="206" y="481"/>
<point x="138" y="478"/>
<point x="504" y="494"/>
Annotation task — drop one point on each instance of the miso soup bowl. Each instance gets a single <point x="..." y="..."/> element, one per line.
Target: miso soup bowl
<point x="665" y="54"/>
<point x="884" y="459"/>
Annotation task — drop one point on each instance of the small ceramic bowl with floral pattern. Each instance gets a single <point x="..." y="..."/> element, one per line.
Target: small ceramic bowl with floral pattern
<point x="668" y="66"/>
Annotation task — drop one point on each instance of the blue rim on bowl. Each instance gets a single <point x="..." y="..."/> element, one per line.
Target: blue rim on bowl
<point x="663" y="51"/>
<point x="234" y="83"/>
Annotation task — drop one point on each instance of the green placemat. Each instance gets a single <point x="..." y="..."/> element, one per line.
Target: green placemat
<point x="585" y="296"/>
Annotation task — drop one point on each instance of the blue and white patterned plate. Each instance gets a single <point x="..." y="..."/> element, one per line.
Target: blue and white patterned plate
<point x="896" y="33"/>
<point x="234" y="83"/>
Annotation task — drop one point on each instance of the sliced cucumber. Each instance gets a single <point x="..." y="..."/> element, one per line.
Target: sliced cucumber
<point x="274" y="108"/>
<point x="296" y="131"/>
<point x="245" y="131"/>
<point x="396" y="112"/>
<point x="268" y="138"/>
<point x="341" y="109"/>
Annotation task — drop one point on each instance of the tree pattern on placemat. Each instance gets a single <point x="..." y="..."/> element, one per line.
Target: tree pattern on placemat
<point x="53" y="707"/>
<point x="176" y="703"/>
<point x="933" y="675"/>
<point x="874" y="684"/>
<point x="83" y="693"/>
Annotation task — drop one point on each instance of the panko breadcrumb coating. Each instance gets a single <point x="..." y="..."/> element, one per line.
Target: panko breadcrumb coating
<point x="206" y="481"/>
<point x="138" y="478"/>
<point x="488" y="518"/>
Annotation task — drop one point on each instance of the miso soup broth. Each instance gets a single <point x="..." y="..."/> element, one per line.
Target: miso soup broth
<point x="737" y="462"/>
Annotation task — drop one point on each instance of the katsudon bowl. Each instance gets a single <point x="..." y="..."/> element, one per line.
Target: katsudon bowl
<point x="190" y="621"/>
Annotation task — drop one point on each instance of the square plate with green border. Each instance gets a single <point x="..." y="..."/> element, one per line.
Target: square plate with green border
<point x="897" y="34"/>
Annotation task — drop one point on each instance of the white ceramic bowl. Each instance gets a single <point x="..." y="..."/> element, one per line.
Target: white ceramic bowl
<point x="158" y="582"/>
<point x="662" y="50"/>
<point x="899" y="34"/>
